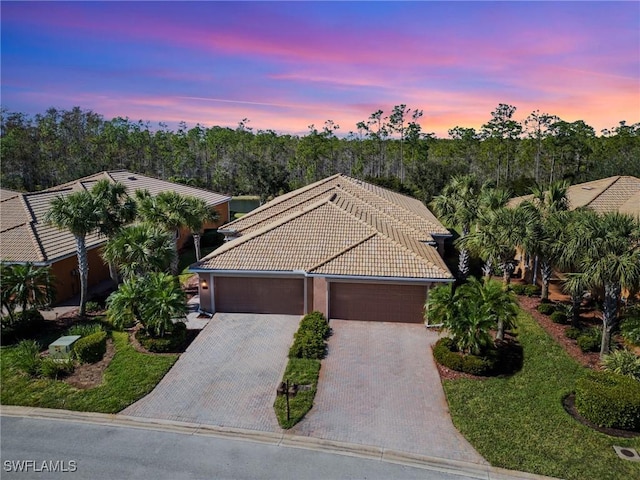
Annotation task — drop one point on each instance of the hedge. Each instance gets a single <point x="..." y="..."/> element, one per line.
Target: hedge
<point x="546" y="308"/>
<point x="309" y="340"/>
<point x="573" y="332"/>
<point x="531" y="290"/>
<point x="590" y="340"/>
<point x="171" y="342"/>
<point x="447" y="355"/>
<point x="609" y="400"/>
<point x="559" y="317"/>
<point x="91" y="349"/>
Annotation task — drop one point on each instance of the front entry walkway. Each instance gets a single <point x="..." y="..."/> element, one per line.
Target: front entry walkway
<point x="379" y="386"/>
<point x="228" y="375"/>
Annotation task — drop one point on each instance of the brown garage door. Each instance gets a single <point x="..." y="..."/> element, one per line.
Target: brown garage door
<point x="259" y="295"/>
<point x="377" y="302"/>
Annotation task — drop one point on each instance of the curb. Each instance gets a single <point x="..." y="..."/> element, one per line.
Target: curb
<point x="455" y="467"/>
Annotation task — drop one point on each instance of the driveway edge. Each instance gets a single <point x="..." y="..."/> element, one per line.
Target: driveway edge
<point x="283" y="439"/>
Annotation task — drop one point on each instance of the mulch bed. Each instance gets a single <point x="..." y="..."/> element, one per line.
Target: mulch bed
<point x="89" y="375"/>
<point x="557" y="332"/>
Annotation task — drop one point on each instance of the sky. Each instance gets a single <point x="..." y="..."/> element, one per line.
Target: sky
<point x="287" y="65"/>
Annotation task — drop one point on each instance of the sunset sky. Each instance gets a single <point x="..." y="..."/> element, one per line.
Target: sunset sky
<point x="287" y="65"/>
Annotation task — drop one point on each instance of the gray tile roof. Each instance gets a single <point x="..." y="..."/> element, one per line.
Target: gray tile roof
<point x="338" y="226"/>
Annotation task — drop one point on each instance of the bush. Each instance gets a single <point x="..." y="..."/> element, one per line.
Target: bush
<point x="590" y="340"/>
<point x="91" y="349"/>
<point x="573" y="332"/>
<point x="85" y="329"/>
<point x="447" y="355"/>
<point x="92" y="306"/>
<point x="25" y="325"/>
<point x="309" y="340"/>
<point x="546" y="308"/>
<point x="531" y="290"/>
<point x="27" y="357"/>
<point x="317" y="323"/>
<point x="630" y="328"/>
<point x="622" y="362"/>
<point x="559" y="317"/>
<point x="518" y="288"/>
<point x="171" y="342"/>
<point x="51" y="368"/>
<point x="609" y="400"/>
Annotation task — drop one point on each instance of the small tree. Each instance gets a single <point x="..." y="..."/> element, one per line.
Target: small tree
<point x="25" y="286"/>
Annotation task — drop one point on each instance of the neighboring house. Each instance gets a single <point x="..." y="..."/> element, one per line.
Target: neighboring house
<point x="341" y="246"/>
<point x="612" y="194"/>
<point x="26" y="238"/>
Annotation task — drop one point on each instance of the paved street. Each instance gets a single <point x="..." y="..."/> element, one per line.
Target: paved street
<point x="92" y="448"/>
<point x="228" y="376"/>
<point x="379" y="386"/>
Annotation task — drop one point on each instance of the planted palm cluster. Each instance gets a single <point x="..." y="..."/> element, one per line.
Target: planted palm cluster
<point x="476" y="316"/>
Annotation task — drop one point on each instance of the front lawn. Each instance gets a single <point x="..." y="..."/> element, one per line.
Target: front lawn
<point x="519" y="422"/>
<point x="129" y="377"/>
<point x="302" y="371"/>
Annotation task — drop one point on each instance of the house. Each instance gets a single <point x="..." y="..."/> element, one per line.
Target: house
<point x="341" y="246"/>
<point x="612" y="194"/>
<point x="26" y="238"/>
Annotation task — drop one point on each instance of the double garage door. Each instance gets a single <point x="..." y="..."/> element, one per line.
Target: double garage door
<point x="377" y="302"/>
<point x="347" y="301"/>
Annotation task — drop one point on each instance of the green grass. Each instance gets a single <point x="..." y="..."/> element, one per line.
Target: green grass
<point x="519" y="422"/>
<point x="129" y="377"/>
<point x="303" y="372"/>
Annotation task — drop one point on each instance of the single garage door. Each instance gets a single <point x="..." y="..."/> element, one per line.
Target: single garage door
<point x="259" y="295"/>
<point x="377" y="302"/>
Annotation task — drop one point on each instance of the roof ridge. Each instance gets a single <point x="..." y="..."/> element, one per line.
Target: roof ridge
<point x="261" y="231"/>
<point x="616" y="178"/>
<point x="282" y="198"/>
<point x="30" y="224"/>
<point x="343" y="251"/>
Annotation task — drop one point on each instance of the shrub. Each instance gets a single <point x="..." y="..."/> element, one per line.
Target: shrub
<point x="531" y="290"/>
<point x="317" y="323"/>
<point x="171" y="342"/>
<point x="573" y="332"/>
<point x="92" y="306"/>
<point x="85" y="329"/>
<point x="590" y="340"/>
<point x="51" y="368"/>
<point x="447" y="355"/>
<point x="546" y="308"/>
<point x="609" y="400"/>
<point x="27" y="357"/>
<point x="630" y="329"/>
<point x="518" y="288"/>
<point x="91" y="349"/>
<point x="558" y="317"/>
<point x="307" y="344"/>
<point x="25" y="325"/>
<point x="622" y="362"/>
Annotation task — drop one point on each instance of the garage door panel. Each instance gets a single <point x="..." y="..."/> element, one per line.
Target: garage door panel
<point x="377" y="302"/>
<point x="259" y="295"/>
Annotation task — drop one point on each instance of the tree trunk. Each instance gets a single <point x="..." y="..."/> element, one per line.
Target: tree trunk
<point x="464" y="258"/>
<point x="534" y="279"/>
<point x="487" y="268"/>
<point x="113" y="273"/>
<point x="507" y="270"/>
<point x="609" y="314"/>
<point x="546" y="271"/>
<point x="83" y="269"/>
<point x="196" y="244"/>
<point x="176" y="259"/>
<point x="500" y="332"/>
<point x="576" y="300"/>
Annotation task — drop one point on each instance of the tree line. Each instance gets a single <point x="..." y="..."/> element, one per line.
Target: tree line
<point x="388" y="148"/>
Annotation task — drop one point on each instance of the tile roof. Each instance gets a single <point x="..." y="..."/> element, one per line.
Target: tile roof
<point x="334" y="227"/>
<point x="25" y="237"/>
<point x="619" y="193"/>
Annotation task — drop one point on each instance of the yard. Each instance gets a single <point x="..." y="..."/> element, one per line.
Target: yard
<point x="518" y="422"/>
<point x="129" y="377"/>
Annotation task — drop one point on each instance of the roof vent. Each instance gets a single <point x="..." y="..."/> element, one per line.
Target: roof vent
<point x="132" y="178"/>
<point x="587" y="188"/>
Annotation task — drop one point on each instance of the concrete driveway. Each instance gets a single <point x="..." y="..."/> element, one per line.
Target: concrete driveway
<point x="228" y="375"/>
<point x="379" y="386"/>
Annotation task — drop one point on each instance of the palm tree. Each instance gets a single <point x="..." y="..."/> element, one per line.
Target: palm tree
<point x="139" y="249"/>
<point x="152" y="301"/>
<point x="198" y="213"/>
<point x="168" y="209"/>
<point x="501" y="304"/>
<point x="115" y="210"/>
<point x="26" y="286"/>
<point x="77" y="213"/>
<point x="164" y="302"/>
<point x="608" y="246"/>
<point x="458" y="205"/>
<point x="440" y="305"/>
